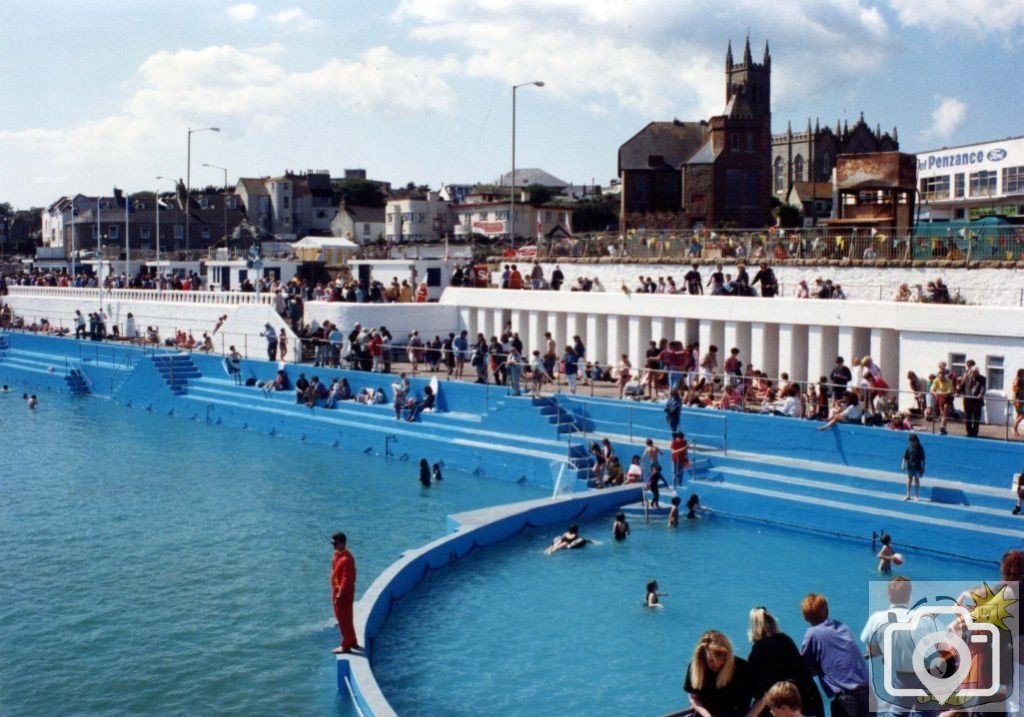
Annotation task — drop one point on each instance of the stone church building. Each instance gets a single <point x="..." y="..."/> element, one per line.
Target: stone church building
<point x="715" y="172"/>
<point x="810" y="156"/>
<point x="724" y="171"/>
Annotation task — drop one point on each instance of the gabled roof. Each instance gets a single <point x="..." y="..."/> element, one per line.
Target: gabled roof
<point x="674" y="142"/>
<point x="704" y="155"/>
<point x="254" y="186"/>
<point x="527" y="176"/>
<point x="803" y="190"/>
<point x="365" y="214"/>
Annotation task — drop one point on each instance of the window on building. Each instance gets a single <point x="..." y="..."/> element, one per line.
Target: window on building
<point x="734" y="141"/>
<point x="935" y="187"/>
<point x="144" y="231"/>
<point x="733" y="187"/>
<point x="655" y="160"/>
<point x="958" y="363"/>
<point x="204" y="203"/>
<point x="179" y="231"/>
<point x="1013" y="180"/>
<point x="366" y="230"/>
<point x="780" y="176"/>
<point x="206" y="233"/>
<point x="994" y="366"/>
<point x="958" y="184"/>
<point x="286" y="202"/>
<point x="750" y="141"/>
<point x="983" y="183"/>
<point x="95" y="231"/>
<point x="113" y="232"/>
<point x="826" y="162"/>
<point x="232" y="203"/>
<point x="798" y="169"/>
<point x="751" y="189"/>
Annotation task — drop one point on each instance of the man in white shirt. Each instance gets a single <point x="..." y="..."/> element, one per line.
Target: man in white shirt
<point x="899" y="661"/>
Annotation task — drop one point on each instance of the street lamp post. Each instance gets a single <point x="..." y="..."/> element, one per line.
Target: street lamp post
<point x="225" y="200"/>
<point x="167" y="179"/>
<point x="512" y="195"/>
<point x="188" y="188"/>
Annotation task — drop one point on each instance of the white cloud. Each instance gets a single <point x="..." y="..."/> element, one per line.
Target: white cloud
<point x="295" y="19"/>
<point x="243" y="12"/>
<point x="247" y="92"/>
<point x="659" y="59"/>
<point x="947" y="118"/>
<point x="979" y="18"/>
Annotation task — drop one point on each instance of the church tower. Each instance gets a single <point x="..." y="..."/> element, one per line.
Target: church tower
<point x="748" y="85"/>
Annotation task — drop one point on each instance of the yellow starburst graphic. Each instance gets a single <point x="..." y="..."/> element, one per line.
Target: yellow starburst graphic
<point x="993" y="607"/>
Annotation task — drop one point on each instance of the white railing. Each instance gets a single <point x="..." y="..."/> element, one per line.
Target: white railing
<point x="218" y="298"/>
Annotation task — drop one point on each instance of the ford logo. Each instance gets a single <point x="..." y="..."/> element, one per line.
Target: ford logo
<point x="996" y="154"/>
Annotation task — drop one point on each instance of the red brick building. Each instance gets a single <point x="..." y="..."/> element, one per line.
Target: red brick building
<point x="711" y="173"/>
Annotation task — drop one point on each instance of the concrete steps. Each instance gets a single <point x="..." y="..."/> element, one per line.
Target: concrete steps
<point x="177" y="370"/>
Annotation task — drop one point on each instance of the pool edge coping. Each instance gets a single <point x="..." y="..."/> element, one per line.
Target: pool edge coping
<point x="467" y="531"/>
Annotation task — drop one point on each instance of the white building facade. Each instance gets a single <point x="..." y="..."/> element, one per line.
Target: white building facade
<point x="972" y="181"/>
<point x="418" y="218"/>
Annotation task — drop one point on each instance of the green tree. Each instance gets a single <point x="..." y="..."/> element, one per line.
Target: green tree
<point x="596" y="214"/>
<point x="359" y="193"/>
<point x="539" y="194"/>
<point x="6" y="209"/>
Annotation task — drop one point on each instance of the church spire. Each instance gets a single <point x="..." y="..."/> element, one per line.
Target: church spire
<point x="746" y="52"/>
<point x="728" y="57"/>
<point x="767" y="55"/>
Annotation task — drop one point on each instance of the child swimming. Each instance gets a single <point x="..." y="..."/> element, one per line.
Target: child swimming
<point x="620" y="528"/>
<point x="673" y="512"/>
<point x="653" y="594"/>
<point x="569" y="540"/>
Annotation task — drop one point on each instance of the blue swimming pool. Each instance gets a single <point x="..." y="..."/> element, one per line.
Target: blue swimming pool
<point x="567" y="634"/>
<point x="156" y="565"/>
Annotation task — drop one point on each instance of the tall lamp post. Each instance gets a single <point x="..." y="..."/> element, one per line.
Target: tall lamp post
<point x="225" y="201"/>
<point x="166" y="179"/>
<point x="188" y="188"/>
<point x="512" y="212"/>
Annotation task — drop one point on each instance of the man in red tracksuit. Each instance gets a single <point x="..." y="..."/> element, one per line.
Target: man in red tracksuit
<point x="343" y="592"/>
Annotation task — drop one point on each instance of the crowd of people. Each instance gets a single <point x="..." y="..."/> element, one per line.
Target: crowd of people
<point x="777" y="674"/>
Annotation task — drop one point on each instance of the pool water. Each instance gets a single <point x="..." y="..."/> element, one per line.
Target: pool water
<point x="153" y="565"/>
<point x="511" y="631"/>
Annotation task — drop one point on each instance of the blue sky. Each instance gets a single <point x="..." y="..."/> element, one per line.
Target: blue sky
<point x="97" y="94"/>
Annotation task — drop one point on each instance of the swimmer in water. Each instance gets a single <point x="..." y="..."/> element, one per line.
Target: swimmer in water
<point x="437" y="473"/>
<point x="673" y="512"/>
<point x="692" y="505"/>
<point x="620" y="529"/>
<point x="569" y="540"/>
<point x="885" y="555"/>
<point x="424" y="473"/>
<point x="32" y="401"/>
<point x="653" y="594"/>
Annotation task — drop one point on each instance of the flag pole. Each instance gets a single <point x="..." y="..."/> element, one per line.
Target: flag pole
<point x="127" y="244"/>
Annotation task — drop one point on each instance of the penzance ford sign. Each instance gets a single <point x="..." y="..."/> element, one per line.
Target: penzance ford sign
<point x="960" y="159"/>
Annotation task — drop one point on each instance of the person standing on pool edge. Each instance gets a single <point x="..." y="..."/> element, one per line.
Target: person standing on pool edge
<point x="343" y="593"/>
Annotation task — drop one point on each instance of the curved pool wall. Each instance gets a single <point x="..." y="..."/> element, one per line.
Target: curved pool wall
<point x="468" y="531"/>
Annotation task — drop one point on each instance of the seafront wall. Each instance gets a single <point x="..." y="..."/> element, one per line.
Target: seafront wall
<point x="981" y="286"/>
<point x="779" y="335"/>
